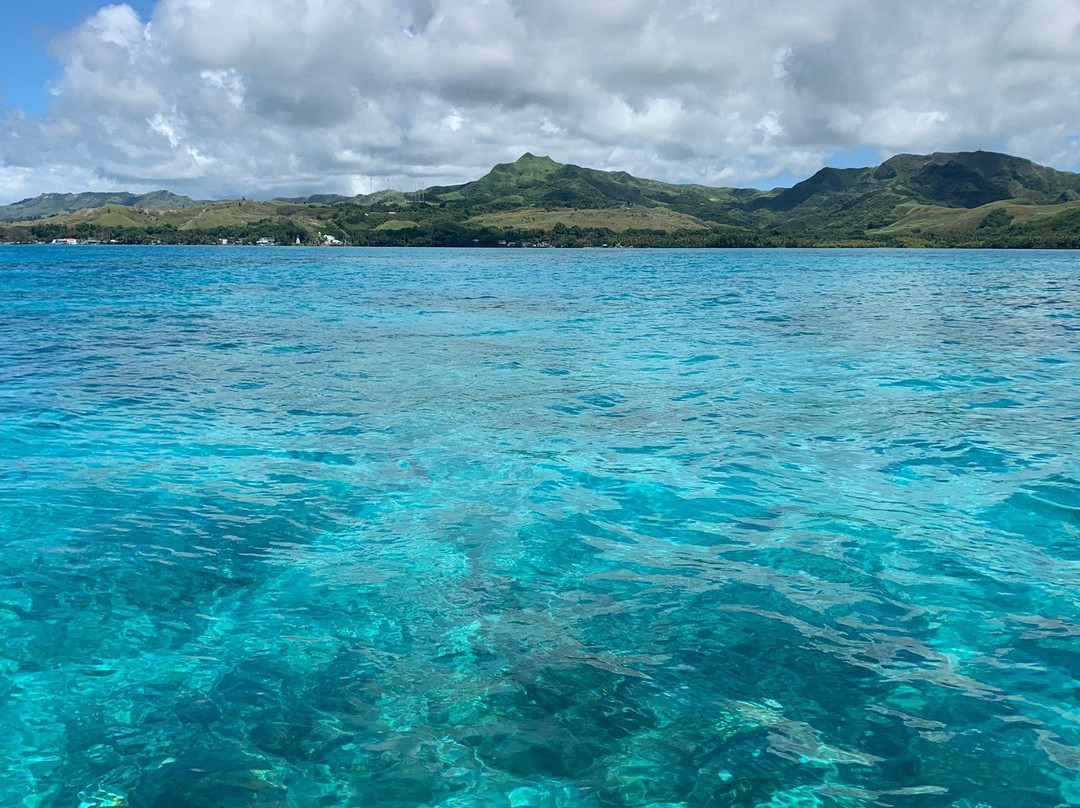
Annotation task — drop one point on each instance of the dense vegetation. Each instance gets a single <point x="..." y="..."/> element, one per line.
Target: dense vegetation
<point x="972" y="199"/>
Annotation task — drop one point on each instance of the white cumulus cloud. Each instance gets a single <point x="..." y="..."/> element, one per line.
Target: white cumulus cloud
<point x="264" y="97"/>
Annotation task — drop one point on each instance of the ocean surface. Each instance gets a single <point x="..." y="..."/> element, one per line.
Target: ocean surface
<point x="539" y="529"/>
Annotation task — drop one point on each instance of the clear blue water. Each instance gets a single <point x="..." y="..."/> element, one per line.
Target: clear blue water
<point x="538" y="529"/>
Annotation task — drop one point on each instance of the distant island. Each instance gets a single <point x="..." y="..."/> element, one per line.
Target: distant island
<point x="966" y="199"/>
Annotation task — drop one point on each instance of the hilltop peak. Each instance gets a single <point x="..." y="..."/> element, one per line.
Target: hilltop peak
<point x="528" y="166"/>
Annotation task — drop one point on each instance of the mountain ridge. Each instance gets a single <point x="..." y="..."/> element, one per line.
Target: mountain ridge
<point x="917" y="198"/>
<point x="51" y="204"/>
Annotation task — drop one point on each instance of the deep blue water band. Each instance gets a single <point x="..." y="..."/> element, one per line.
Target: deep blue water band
<point x="539" y="528"/>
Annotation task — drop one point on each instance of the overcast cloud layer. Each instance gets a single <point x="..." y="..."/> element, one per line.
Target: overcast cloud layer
<point x="267" y="97"/>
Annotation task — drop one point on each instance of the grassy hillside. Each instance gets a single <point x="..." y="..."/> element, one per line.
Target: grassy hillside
<point x="618" y="220"/>
<point x="53" y="204"/>
<point x="969" y="198"/>
<point x="203" y="223"/>
<point x="542" y="183"/>
<point x="875" y="200"/>
<point x="937" y="219"/>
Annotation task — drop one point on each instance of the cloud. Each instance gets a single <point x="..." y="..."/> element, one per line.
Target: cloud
<point x="221" y="97"/>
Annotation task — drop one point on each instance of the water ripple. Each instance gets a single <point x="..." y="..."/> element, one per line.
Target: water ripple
<point x="539" y="529"/>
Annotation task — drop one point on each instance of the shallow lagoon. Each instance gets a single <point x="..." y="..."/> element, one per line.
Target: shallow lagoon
<point x="539" y="528"/>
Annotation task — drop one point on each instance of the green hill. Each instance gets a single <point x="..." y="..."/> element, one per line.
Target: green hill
<point x="946" y="199"/>
<point x="316" y="199"/>
<point x="386" y="195"/>
<point x="868" y="199"/>
<point x="964" y="180"/>
<point x="540" y="182"/>
<point x="53" y="204"/>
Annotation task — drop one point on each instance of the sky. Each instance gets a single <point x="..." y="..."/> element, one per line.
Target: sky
<point x="261" y="98"/>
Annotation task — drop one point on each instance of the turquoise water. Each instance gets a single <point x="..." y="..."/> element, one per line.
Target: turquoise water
<point x="538" y="528"/>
